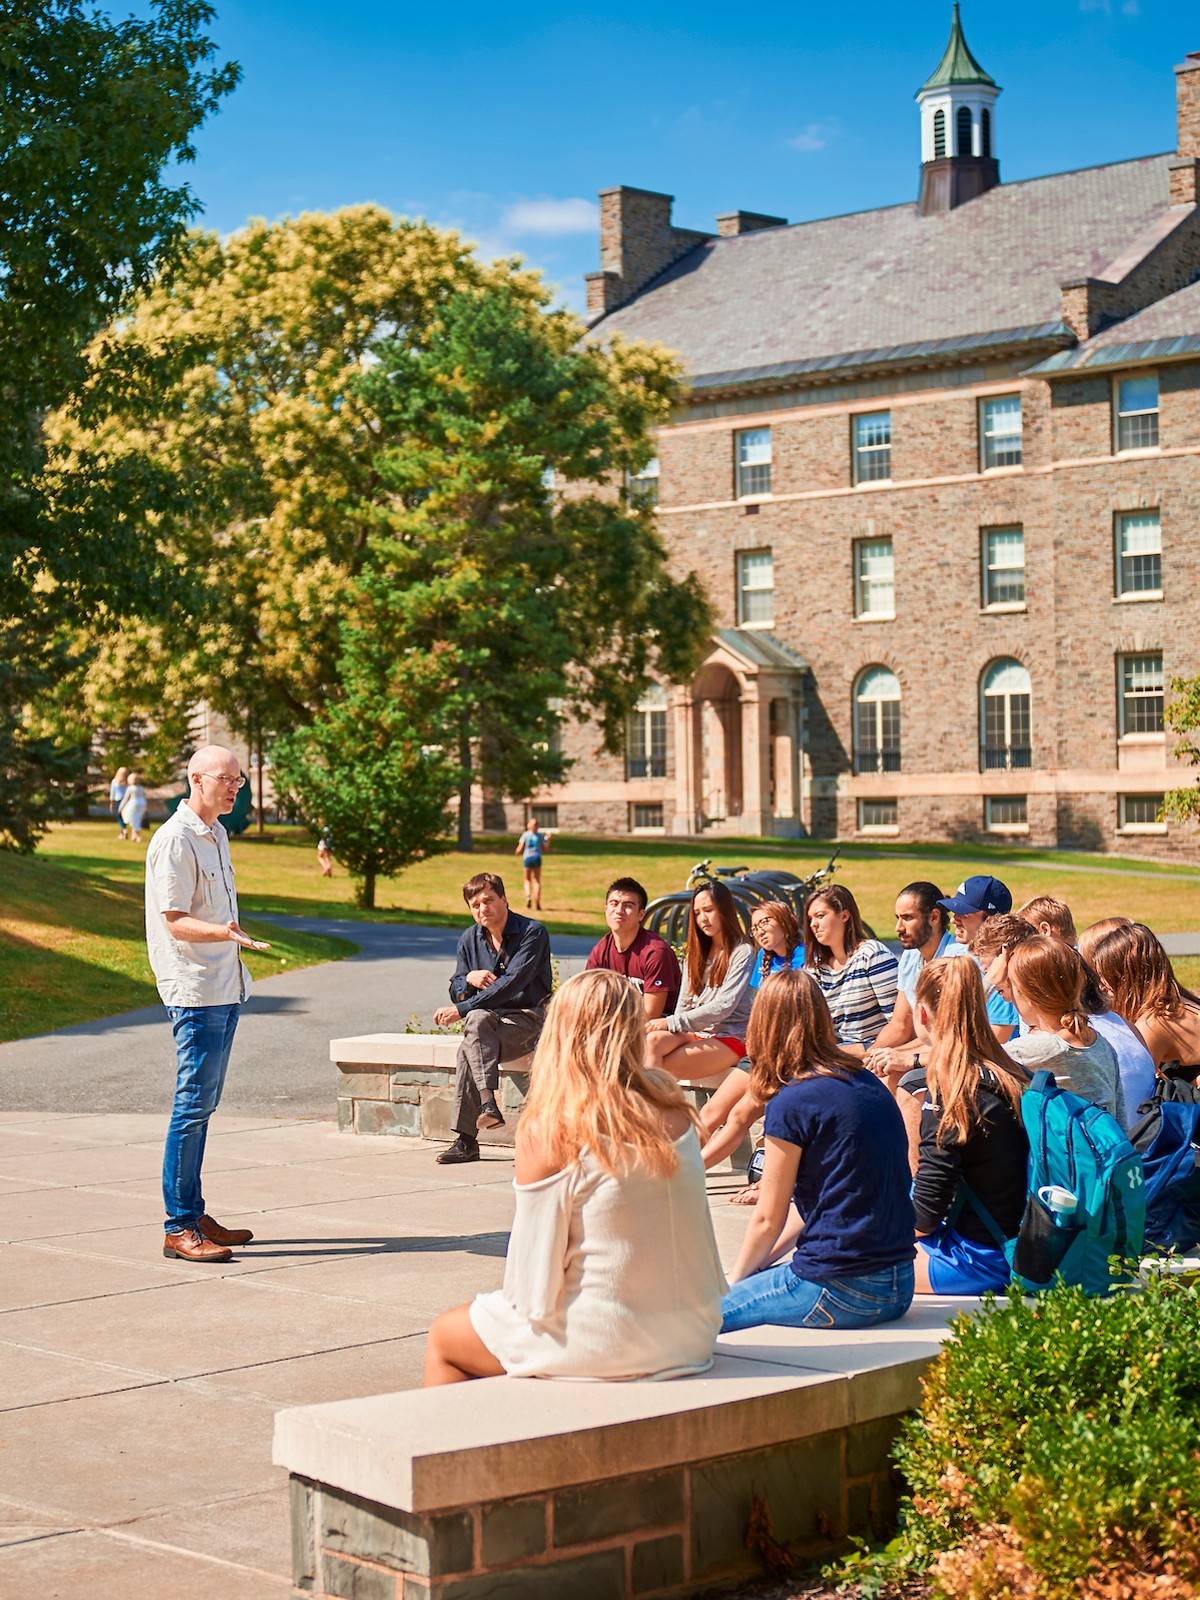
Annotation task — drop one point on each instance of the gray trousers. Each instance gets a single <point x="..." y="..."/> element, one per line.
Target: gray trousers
<point x="489" y="1037"/>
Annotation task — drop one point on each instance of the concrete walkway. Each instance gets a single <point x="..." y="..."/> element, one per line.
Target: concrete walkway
<point x="138" y="1394"/>
<point x="280" y="1063"/>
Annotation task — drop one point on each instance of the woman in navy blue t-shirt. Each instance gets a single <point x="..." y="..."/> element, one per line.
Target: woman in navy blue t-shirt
<point x="836" y="1147"/>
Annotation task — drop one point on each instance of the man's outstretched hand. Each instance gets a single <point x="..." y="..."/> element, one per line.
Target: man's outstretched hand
<point x="239" y="936"/>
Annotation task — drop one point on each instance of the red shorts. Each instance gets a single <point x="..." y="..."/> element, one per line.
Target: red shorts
<point x="738" y="1046"/>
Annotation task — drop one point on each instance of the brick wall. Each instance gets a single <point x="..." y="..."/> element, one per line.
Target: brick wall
<point x="657" y="1533"/>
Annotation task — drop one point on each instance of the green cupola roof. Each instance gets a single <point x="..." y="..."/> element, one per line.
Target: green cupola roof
<point x="957" y="65"/>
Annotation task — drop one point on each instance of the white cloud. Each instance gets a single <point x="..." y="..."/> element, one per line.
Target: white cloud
<point x="813" y="136"/>
<point x="552" y="216"/>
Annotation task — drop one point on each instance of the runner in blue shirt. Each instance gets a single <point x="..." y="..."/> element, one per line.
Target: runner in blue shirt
<point x="531" y="847"/>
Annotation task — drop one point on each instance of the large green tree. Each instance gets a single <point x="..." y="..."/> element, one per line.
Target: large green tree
<point x="503" y="540"/>
<point x="94" y="113"/>
<point x="1183" y="716"/>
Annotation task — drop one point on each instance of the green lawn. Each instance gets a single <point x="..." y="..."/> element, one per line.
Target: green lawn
<point x="72" y="945"/>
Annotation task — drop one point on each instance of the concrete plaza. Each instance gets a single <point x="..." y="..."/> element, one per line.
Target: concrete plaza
<point x="138" y="1394"/>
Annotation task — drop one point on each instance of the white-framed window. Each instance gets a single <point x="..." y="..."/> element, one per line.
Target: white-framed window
<point x="642" y="486"/>
<point x="646" y="736"/>
<point x="939" y="134"/>
<point x="1138" y="555"/>
<point x="877" y="721"/>
<point x="752" y="459"/>
<point x="1140" y="694"/>
<point x="874" y="578"/>
<point x="1140" y="813"/>
<point x="1006" y="813"/>
<point x="878" y="816"/>
<point x="1002" y="557"/>
<point x="872" y="446"/>
<point x="646" y="818"/>
<point x="1135" y="412"/>
<point x="545" y="816"/>
<point x="1000" y="431"/>
<point x="755" y="588"/>
<point x="1005" y="717"/>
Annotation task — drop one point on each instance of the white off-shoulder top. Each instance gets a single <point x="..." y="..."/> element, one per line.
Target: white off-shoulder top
<point x="608" y="1277"/>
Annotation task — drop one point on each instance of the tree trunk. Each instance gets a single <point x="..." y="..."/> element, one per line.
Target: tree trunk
<point x="366" y="890"/>
<point x="466" y="839"/>
<point x="258" y="751"/>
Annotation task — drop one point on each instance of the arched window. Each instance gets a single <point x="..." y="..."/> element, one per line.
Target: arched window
<point x="962" y="123"/>
<point x="985" y="132"/>
<point x="939" y="135"/>
<point x="877" y="721"/>
<point x="1005" y="720"/>
<point x="646" y="736"/>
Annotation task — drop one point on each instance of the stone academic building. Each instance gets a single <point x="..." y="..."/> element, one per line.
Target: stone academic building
<point x="940" y="471"/>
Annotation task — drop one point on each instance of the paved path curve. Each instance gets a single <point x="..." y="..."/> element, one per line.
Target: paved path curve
<point x="280" y="1061"/>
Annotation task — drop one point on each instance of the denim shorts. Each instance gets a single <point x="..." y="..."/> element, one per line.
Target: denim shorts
<point x="960" y="1266"/>
<point x="779" y="1296"/>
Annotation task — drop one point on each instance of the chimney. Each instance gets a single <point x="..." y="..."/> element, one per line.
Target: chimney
<point x="732" y="223"/>
<point x="638" y="240"/>
<point x="1183" y="170"/>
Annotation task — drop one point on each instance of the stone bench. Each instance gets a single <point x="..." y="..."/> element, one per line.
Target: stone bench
<point x="517" y="1489"/>
<point x="402" y="1083"/>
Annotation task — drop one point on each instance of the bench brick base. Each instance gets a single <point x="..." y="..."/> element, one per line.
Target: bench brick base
<point x="659" y="1533"/>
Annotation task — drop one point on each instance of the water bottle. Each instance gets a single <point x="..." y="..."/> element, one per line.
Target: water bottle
<point x="1061" y="1204"/>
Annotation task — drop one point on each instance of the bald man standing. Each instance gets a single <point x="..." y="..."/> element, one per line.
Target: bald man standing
<point x="195" y="940"/>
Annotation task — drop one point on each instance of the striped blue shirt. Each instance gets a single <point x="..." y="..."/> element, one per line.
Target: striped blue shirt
<point x="862" y="996"/>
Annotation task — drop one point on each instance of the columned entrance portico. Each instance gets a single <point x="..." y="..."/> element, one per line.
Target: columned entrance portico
<point x="737" y="739"/>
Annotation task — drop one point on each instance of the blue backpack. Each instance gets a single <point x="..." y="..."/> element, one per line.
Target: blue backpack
<point x="1168" y="1139"/>
<point x="1077" y="1146"/>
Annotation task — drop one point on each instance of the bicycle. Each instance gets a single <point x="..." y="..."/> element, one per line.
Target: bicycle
<point x="667" y="914"/>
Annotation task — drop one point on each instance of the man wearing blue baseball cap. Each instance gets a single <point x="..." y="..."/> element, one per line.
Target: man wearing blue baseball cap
<point x="972" y="902"/>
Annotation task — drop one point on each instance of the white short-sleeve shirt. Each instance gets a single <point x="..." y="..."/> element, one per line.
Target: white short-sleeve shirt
<point x="188" y="869"/>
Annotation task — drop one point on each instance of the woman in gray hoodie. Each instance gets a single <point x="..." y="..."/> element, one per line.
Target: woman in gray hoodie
<point x="706" y="1034"/>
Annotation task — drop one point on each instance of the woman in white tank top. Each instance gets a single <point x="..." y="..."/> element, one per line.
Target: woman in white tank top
<point x="612" y="1268"/>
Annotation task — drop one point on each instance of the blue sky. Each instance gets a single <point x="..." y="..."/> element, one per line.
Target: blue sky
<point x="505" y="123"/>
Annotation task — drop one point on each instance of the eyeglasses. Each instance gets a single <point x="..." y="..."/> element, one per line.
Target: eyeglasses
<point x="219" y="777"/>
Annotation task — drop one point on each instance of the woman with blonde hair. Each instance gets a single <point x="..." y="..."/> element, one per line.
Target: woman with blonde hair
<point x="969" y="1188"/>
<point x="836" y="1149"/>
<point x="117" y="791"/>
<point x="857" y="974"/>
<point x="705" y="1035"/>
<point x="1136" y="975"/>
<point x="1046" y="979"/>
<point x="612" y="1268"/>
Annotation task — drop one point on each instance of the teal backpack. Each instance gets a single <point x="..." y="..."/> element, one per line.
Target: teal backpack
<point x="1074" y="1145"/>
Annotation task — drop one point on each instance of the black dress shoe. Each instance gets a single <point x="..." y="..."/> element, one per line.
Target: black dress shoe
<point x="463" y="1149"/>
<point x="489" y="1115"/>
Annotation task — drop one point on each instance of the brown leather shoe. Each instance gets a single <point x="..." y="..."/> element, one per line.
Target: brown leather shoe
<point x="216" y="1234"/>
<point x="190" y="1245"/>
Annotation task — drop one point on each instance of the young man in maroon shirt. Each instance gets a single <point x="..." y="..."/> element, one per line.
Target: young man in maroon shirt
<point x="645" y="958"/>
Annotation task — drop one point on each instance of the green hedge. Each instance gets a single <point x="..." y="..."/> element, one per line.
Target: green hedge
<point x="1056" y="1454"/>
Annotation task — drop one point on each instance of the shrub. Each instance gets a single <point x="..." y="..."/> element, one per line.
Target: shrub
<point x="1056" y="1453"/>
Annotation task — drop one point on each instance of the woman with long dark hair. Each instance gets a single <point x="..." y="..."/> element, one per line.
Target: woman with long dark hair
<point x="1046" y="979"/>
<point x="706" y="1033"/>
<point x="857" y="973"/>
<point x="836" y="1150"/>
<point x="973" y="1150"/>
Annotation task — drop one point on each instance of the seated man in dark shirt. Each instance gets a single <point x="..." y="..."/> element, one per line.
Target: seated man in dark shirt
<point x="645" y="958"/>
<point x="500" y="987"/>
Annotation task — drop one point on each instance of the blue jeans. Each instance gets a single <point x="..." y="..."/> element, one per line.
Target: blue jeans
<point x="776" y="1295"/>
<point x="203" y="1040"/>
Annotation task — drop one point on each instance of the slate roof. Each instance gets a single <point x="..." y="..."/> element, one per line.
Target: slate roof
<point x="760" y="649"/>
<point x="957" y="65"/>
<point x="880" y="282"/>
<point x="1169" y="328"/>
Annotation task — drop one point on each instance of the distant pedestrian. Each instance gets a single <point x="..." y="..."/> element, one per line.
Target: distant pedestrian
<point x="133" y="807"/>
<point x="195" y="940"/>
<point x="116" y="797"/>
<point x="325" y="854"/>
<point x="531" y="847"/>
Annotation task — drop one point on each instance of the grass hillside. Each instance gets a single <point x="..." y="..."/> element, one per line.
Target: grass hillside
<point x="73" y="946"/>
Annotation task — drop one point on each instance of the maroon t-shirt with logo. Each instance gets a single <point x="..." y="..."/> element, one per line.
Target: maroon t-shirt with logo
<point x="649" y="963"/>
